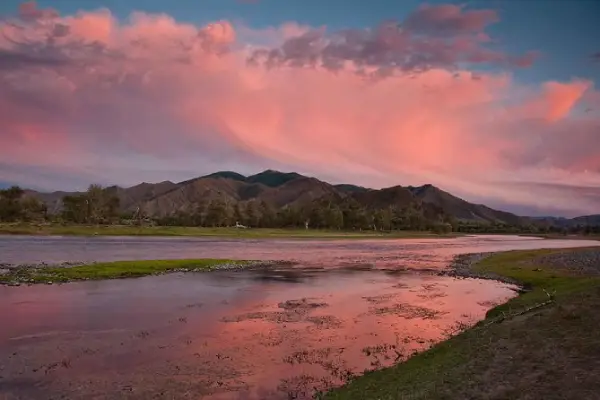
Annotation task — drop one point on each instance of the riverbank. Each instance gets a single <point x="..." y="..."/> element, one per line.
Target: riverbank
<point x="68" y="272"/>
<point x="559" y="236"/>
<point x="252" y="233"/>
<point x="542" y="344"/>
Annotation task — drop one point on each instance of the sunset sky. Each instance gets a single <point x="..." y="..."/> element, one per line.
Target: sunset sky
<point x="493" y="101"/>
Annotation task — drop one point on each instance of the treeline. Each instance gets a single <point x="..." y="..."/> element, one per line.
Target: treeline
<point x="96" y="206"/>
<point x="474" y="228"/>
<point x="100" y="205"/>
<point x="345" y="215"/>
<point x="15" y="206"/>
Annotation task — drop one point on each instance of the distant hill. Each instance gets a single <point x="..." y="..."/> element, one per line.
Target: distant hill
<point x="585" y="220"/>
<point x="348" y="188"/>
<point x="461" y="209"/>
<point x="281" y="189"/>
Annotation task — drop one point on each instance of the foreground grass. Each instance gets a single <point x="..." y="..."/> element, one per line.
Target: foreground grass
<point x="127" y="230"/>
<point x="552" y="352"/>
<point x="112" y="270"/>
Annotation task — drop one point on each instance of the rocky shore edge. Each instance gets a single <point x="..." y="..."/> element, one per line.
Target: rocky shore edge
<point x="461" y="266"/>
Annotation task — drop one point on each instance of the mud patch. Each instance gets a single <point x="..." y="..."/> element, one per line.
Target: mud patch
<point x="401" y="285"/>
<point x="294" y="311"/>
<point x="300" y="305"/>
<point x="380" y="299"/>
<point x="325" y="321"/>
<point x="407" y="311"/>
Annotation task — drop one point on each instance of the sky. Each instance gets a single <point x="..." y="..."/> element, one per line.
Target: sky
<point x="494" y="101"/>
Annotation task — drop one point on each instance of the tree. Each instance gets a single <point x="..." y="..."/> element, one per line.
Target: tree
<point x="216" y="214"/>
<point x="33" y="209"/>
<point x="96" y="205"/>
<point x="75" y="209"/>
<point x="238" y="214"/>
<point x="10" y="204"/>
<point x="252" y="214"/>
<point x="334" y="218"/>
<point x="267" y="215"/>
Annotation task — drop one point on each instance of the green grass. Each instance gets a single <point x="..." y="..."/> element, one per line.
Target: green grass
<point x="549" y="353"/>
<point x="110" y="270"/>
<point x="126" y="230"/>
<point x="576" y="236"/>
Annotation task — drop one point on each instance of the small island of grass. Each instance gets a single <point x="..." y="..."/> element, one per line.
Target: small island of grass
<point x="543" y="344"/>
<point x="30" y="274"/>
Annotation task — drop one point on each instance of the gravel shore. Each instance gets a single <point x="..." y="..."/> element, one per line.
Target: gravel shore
<point x="462" y="267"/>
<point x="19" y="274"/>
<point x="584" y="262"/>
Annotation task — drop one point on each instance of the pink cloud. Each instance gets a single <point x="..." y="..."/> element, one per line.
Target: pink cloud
<point x="441" y="36"/>
<point x="558" y="99"/>
<point x="155" y="94"/>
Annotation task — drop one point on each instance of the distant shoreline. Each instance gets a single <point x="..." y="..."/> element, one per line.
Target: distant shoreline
<point x="252" y="233"/>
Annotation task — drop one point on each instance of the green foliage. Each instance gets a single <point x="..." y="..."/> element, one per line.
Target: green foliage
<point x="16" y="206"/>
<point x="97" y="205"/>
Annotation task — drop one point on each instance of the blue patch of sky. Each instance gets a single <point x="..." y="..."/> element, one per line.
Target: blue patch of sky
<point x="565" y="32"/>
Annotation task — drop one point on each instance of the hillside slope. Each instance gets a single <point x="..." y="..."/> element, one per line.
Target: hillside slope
<point x="462" y="209"/>
<point x="280" y="189"/>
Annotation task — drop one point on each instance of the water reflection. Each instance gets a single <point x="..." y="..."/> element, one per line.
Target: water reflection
<point x="345" y="307"/>
<point x="383" y="253"/>
<point x="225" y="335"/>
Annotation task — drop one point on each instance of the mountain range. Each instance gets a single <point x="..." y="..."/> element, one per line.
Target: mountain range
<point x="279" y="189"/>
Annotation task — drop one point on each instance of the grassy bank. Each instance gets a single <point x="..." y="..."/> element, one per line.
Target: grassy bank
<point x="126" y="230"/>
<point x="548" y="352"/>
<point x="113" y="270"/>
<point x="565" y="237"/>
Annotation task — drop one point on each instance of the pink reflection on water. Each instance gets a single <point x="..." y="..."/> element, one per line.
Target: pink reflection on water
<point x="226" y="335"/>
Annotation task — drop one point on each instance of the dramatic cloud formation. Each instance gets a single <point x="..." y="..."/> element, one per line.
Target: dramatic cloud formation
<point x="433" y="37"/>
<point x="87" y="96"/>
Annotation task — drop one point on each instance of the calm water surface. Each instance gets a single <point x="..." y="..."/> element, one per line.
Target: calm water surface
<point x="345" y="307"/>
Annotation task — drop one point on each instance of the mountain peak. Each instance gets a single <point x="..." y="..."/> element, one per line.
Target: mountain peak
<point x="227" y="175"/>
<point x="273" y="178"/>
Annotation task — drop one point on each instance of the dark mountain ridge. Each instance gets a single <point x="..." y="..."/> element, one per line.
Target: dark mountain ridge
<point x="289" y="189"/>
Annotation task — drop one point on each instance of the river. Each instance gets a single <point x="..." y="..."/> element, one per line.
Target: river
<point x="346" y="306"/>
